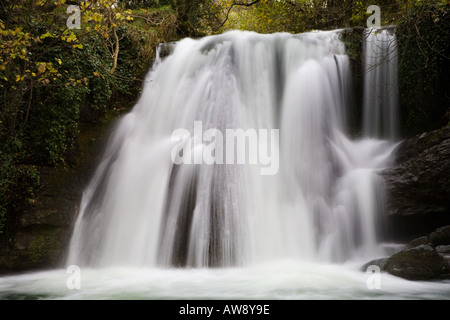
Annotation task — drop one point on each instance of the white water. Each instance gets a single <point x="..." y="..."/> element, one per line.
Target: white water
<point x="323" y="205"/>
<point x="300" y="234"/>
<point x="284" y="279"/>
<point x="380" y="110"/>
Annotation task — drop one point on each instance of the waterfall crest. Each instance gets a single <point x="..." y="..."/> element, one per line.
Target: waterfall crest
<point x="324" y="201"/>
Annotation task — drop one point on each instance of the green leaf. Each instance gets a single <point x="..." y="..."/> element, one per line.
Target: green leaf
<point x="46" y="35"/>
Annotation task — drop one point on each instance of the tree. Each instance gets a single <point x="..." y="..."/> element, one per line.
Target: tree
<point x="105" y="16"/>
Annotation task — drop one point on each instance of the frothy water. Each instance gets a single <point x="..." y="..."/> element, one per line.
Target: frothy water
<point x="301" y="233"/>
<point x="285" y="280"/>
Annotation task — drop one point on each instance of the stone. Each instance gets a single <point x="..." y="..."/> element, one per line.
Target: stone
<point x="440" y="236"/>
<point x="443" y="249"/>
<point x="418" y="185"/>
<point x="419" y="263"/>
<point x="417" y="242"/>
<point x="42" y="231"/>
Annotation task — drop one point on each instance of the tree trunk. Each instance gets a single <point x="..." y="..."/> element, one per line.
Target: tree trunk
<point x="116" y="51"/>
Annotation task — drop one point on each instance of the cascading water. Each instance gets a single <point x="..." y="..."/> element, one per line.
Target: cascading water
<point x="323" y="203"/>
<point x="380" y="111"/>
<point x="310" y="195"/>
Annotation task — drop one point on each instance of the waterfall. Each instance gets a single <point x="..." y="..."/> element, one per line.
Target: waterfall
<point x="380" y="110"/>
<point x="322" y="200"/>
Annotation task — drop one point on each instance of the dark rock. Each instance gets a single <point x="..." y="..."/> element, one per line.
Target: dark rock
<point x="418" y="241"/>
<point x="42" y="232"/>
<point x="422" y="247"/>
<point x="165" y="49"/>
<point x="381" y="262"/>
<point x="440" y="236"/>
<point x="444" y="252"/>
<point x="418" y="263"/>
<point x="418" y="185"/>
<point x="443" y="249"/>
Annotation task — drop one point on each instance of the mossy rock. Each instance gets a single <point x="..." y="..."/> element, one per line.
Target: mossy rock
<point x="418" y="263"/>
<point x="353" y="40"/>
<point x="440" y="236"/>
<point x="46" y="246"/>
<point x="418" y="242"/>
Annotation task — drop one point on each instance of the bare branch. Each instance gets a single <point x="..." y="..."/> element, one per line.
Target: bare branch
<point x="244" y="4"/>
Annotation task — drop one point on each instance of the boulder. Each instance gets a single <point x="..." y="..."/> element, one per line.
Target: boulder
<point x="417" y="242"/>
<point x="443" y="249"/>
<point x="418" y="185"/>
<point x="419" y="263"/>
<point x="440" y="236"/>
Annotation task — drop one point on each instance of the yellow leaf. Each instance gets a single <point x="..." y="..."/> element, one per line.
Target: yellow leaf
<point x="72" y="37"/>
<point x="18" y="78"/>
<point x="59" y="61"/>
<point x="41" y="68"/>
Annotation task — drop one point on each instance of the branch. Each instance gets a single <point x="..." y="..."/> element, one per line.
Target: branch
<point x="116" y="48"/>
<point x="295" y="4"/>
<point x="28" y="109"/>
<point x="246" y="4"/>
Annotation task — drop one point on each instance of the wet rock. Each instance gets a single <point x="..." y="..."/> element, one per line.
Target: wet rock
<point x="443" y="249"/>
<point x="419" y="263"/>
<point x="418" y="185"/>
<point x="440" y="236"/>
<point x="418" y="241"/>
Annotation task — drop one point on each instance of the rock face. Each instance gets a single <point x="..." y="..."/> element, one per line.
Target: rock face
<point x="42" y="232"/>
<point x="418" y="185"/>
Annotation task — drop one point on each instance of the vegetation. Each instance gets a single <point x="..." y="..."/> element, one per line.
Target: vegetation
<point x="54" y="79"/>
<point x="424" y="61"/>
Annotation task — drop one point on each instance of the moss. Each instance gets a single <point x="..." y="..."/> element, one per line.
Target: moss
<point x="424" y="61"/>
<point x="46" y="245"/>
<point x="352" y="38"/>
<point x="419" y="263"/>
